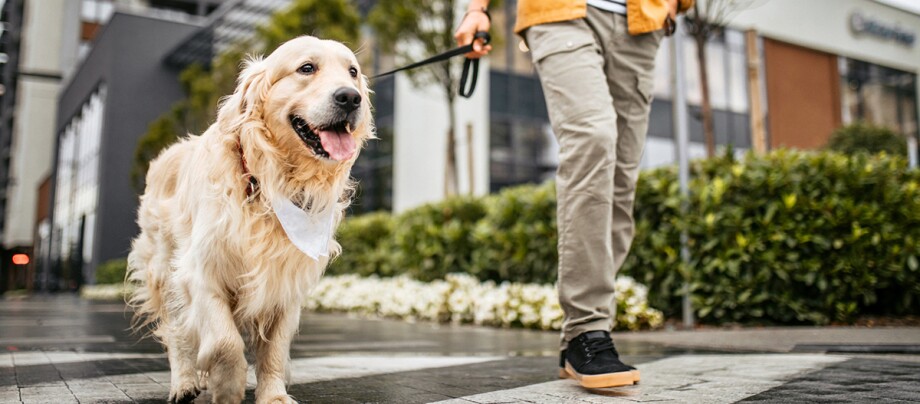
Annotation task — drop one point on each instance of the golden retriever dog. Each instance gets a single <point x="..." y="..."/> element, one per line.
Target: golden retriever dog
<point x="215" y="266"/>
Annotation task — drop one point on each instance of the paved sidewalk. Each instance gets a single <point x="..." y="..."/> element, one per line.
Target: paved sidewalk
<point x="896" y="342"/>
<point x="60" y="349"/>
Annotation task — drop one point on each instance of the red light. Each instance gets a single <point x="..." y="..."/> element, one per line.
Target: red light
<point x="20" y="259"/>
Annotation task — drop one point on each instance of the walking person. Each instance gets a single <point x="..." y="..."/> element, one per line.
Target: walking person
<point x="596" y="60"/>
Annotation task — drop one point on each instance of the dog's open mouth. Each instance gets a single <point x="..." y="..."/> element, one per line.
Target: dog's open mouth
<point x="332" y="141"/>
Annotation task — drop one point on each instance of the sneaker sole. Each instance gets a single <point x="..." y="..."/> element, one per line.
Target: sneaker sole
<point x="564" y="374"/>
<point x="618" y="379"/>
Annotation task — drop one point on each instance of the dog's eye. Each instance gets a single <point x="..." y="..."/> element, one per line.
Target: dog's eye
<point x="307" y="68"/>
<point x="353" y="71"/>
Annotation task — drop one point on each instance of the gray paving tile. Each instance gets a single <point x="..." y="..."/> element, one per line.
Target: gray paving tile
<point x="853" y="380"/>
<point x="9" y="395"/>
<point x="32" y="392"/>
<point x="50" y="400"/>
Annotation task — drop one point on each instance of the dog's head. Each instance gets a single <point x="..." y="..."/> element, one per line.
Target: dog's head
<point x="310" y="99"/>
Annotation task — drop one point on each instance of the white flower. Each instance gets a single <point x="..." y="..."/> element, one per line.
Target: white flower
<point x="461" y="298"/>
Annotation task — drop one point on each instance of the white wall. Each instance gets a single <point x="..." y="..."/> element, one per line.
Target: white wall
<point x="420" y="141"/>
<point x="36" y="109"/>
<point x="825" y="25"/>
<point x="70" y="38"/>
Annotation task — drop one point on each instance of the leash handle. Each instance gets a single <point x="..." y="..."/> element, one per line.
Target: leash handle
<point x="463" y="76"/>
<point x="474" y="63"/>
<point x="469" y="63"/>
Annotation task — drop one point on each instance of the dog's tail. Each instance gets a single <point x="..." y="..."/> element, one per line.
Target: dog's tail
<point x="146" y="283"/>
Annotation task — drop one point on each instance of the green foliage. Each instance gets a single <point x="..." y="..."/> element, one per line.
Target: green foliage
<point x="160" y="133"/>
<point x="790" y="237"/>
<point x="205" y="86"/>
<point x="428" y="23"/>
<point x="111" y="272"/>
<point x="519" y="223"/>
<point x="327" y="19"/>
<point x="433" y="240"/>
<point x="369" y="246"/>
<point x="861" y="137"/>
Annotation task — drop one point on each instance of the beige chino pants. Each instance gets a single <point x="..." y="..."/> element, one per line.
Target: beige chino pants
<point x="597" y="80"/>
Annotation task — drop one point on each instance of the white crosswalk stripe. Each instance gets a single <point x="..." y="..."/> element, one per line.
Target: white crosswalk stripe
<point x="687" y="379"/>
<point x="311" y="370"/>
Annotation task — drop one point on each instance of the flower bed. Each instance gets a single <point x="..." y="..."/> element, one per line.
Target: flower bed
<point x="461" y="298"/>
<point x="114" y="291"/>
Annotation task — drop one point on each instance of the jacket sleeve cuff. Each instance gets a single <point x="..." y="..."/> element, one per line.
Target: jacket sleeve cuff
<point x="684" y="5"/>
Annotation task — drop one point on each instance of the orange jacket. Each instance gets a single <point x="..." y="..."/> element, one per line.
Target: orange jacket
<point x="641" y="15"/>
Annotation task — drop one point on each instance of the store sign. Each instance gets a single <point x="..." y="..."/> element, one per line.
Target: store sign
<point x="862" y="24"/>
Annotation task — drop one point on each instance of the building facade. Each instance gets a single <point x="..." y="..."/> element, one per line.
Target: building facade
<point x="32" y="41"/>
<point x="829" y="63"/>
<point x="121" y="86"/>
<point x="78" y="180"/>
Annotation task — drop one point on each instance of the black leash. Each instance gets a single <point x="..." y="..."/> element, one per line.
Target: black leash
<point x="474" y="63"/>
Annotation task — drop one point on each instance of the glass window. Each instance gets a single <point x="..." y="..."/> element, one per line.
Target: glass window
<point x="692" y="73"/>
<point x="521" y="151"/>
<point x="878" y="95"/>
<point x="726" y="62"/>
<point x="736" y="62"/>
<point x="97" y="10"/>
<point x="719" y="81"/>
<point x="522" y="148"/>
<point x="77" y="188"/>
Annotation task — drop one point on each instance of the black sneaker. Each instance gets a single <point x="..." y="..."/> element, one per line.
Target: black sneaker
<point x="592" y="359"/>
<point x="564" y="374"/>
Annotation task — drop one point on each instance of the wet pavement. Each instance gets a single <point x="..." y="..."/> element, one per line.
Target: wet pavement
<point x="59" y="349"/>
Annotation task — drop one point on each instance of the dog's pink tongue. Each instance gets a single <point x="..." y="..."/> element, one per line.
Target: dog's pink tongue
<point x="339" y="145"/>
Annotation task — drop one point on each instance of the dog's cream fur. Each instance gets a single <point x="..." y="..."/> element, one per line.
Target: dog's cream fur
<point x="213" y="266"/>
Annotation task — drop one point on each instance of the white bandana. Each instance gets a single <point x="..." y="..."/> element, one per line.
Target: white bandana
<point x="310" y="232"/>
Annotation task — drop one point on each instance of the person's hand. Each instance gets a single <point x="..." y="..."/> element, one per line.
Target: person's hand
<point x="474" y="21"/>
<point x="672" y="9"/>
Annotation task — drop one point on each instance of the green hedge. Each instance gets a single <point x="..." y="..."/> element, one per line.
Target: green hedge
<point x="516" y="240"/>
<point x="790" y="237"/>
<point x="112" y="271"/>
<point x="434" y="240"/>
<point x="863" y="137"/>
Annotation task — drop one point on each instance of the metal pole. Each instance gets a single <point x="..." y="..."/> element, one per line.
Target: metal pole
<point x="912" y="151"/>
<point x="470" y="168"/>
<point x="681" y="143"/>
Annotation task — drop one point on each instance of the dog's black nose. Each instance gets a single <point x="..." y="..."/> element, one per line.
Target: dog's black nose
<point x="347" y="98"/>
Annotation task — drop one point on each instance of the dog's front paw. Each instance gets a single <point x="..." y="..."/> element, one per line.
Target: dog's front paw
<point x="185" y="395"/>
<point x="279" y="399"/>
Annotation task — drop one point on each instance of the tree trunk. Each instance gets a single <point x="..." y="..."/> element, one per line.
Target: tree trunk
<point x="758" y="132"/>
<point x="451" y="182"/>
<point x="450" y="169"/>
<point x="708" y="128"/>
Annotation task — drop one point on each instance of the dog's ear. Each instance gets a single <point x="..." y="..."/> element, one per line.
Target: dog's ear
<point x="251" y="91"/>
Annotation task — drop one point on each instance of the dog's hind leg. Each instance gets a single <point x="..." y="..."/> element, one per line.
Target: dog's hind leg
<point x="148" y="271"/>
<point x="273" y="358"/>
